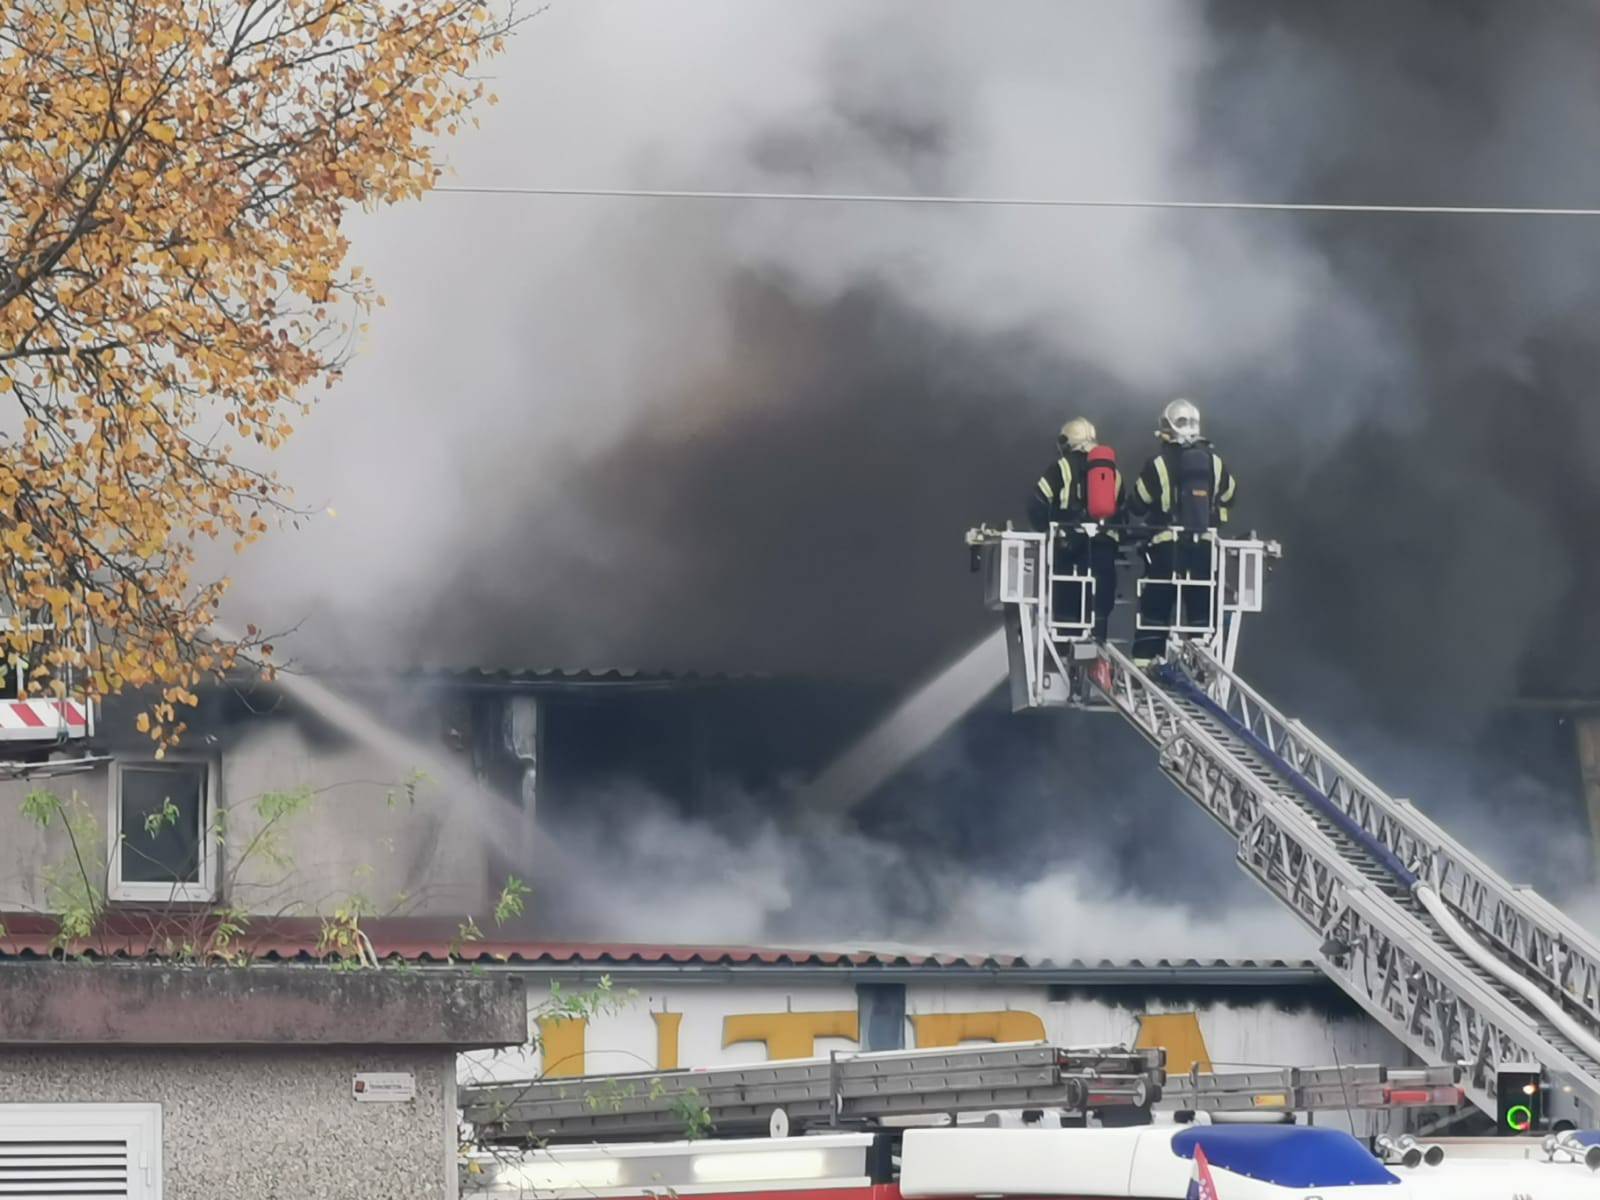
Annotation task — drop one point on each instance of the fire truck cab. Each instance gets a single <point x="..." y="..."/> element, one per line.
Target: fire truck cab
<point x="1023" y="1120"/>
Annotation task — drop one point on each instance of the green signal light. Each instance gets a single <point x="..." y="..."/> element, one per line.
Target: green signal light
<point x="1519" y="1117"/>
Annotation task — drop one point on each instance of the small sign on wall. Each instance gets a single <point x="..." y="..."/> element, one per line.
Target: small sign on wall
<point x="384" y="1087"/>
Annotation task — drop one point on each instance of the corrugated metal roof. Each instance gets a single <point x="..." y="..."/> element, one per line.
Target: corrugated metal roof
<point x="132" y="936"/>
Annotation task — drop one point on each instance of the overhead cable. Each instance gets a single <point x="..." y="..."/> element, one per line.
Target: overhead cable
<point x="1462" y="210"/>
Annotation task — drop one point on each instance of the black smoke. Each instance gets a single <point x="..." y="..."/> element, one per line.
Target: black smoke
<point x="1445" y="544"/>
<point x="1436" y="507"/>
<point x="1422" y="440"/>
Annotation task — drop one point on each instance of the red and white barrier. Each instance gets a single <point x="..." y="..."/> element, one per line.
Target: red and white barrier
<point x="42" y="720"/>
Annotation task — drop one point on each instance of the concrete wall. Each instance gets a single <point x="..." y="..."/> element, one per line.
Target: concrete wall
<point x="364" y="834"/>
<point x="152" y="1004"/>
<point x="265" y="1122"/>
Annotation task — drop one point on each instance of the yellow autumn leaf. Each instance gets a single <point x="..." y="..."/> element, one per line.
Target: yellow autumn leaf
<point x="250" y="205"/>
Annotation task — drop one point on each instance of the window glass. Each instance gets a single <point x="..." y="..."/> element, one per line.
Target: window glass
<point x="161" y="844"/>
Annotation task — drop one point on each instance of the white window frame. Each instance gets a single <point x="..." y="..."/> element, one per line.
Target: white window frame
<point x="139" y="1125"/>
<point x="202" y="892"/>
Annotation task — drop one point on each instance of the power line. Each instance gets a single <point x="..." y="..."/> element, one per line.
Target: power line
<point x="1461" y="210"/>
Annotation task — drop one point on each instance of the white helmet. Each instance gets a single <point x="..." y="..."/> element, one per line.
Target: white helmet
<point x="1077" y="434"/>
<point x="1180" y="423"/>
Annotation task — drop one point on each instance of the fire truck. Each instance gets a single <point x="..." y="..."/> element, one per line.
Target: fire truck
<point x="990" y="1122"/>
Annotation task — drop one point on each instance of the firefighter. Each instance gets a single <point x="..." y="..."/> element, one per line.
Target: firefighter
<point x="1083" y="485"/>
<point x="1186" y="490"/>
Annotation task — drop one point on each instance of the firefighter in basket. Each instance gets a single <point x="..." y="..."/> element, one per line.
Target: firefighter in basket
<point x="1185" y="490"/>
<point x="1083" y="486"/>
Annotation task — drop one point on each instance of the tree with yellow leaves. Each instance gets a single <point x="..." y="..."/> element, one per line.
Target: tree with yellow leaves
<point x="173" y="281"/>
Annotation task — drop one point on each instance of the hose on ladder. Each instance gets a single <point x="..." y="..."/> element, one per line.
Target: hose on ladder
<point x="1174" y="679"/>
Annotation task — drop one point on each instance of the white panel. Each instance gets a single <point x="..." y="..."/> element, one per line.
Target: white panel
<point x="1019" y="1162"/>
<point x="66" y="1150"/>
<point x="1256" y="1028"/>
<point x="1157" y="1171"/>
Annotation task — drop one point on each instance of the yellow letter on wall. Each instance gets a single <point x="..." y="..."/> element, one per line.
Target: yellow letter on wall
<point x="667" y="1040"/>
<point x="790" y="1034"/>
<point x="561" y="1045"/>
<point x="1179" y="1035"/>
<point x="951" y="1029"/>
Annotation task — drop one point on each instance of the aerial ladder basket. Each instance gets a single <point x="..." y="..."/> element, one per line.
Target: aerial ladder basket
<point x="1048" y="603"/>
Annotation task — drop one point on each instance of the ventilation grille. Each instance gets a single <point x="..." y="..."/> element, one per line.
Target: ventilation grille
<point x="63" y="1169"/>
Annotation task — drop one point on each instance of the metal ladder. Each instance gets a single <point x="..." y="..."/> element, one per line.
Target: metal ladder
<point x="842" y="1091"/>
<point x="1339" y="853"/>
<point x="1317" y="1089"/>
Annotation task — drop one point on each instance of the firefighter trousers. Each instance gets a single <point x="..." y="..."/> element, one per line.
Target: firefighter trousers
<point x="1188" y="557"/>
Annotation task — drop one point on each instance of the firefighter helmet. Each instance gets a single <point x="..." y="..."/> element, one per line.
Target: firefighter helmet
<point x="1077" y="434"/>
<point x="1180" y="423"/>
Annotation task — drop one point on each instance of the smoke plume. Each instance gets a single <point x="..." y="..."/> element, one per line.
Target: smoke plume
<point x="748" y="436"/>
<point x="744" y="881"/>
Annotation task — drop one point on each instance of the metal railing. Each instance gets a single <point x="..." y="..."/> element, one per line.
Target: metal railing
<point x="1023" y="573"/>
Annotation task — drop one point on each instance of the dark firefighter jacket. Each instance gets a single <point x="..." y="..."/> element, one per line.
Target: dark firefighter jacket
<point x="1155" y="492"/>
<point x="1059" y="494"/>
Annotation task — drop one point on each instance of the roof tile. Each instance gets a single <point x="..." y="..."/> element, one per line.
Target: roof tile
<point x="134" y="935"/>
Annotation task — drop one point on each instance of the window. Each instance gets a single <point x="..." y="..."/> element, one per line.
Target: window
<point x="161" y="820"/>
<point x="81" y="1150"/>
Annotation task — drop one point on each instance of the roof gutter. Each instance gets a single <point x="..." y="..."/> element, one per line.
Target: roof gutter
<point x="1204" y="975"/>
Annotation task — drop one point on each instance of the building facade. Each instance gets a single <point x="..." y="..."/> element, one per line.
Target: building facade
<point x="162" y="1083"/>
<point x="413" y="794"/>
<point x="661" y="1007"/>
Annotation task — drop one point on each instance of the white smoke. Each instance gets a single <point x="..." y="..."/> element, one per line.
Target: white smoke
<point x="657" y="876"/>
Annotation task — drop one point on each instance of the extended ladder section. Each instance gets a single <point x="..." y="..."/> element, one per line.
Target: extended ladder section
<point x="843" y="1091"/>
<point x="1459" y="965"/>
<point x="1317" y="1089"/>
